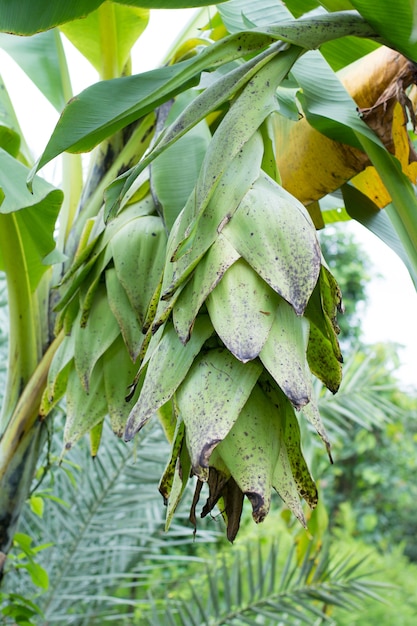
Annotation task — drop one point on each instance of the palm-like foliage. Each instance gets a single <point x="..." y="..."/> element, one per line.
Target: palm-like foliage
<point x="268" y="586"/>
<point x="364" y="396"/>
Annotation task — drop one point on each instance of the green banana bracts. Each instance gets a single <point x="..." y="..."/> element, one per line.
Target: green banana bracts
<point x="217" y="329"/>
<point x="103" y="308"/>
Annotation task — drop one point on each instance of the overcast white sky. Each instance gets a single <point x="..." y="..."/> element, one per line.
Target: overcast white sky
<point x="392" y="311"/>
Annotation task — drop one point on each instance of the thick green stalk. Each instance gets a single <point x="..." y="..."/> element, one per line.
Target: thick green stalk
<point x="24" y="339"/>
<point x="72" y="178"/>
<point x="108" y="35"/>
<point x="403" y="209"/>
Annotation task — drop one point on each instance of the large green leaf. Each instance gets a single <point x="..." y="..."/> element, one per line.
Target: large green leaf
<point x="299" y="7"/>
<point x="237" y="13"/>
<point x="26" y="18"/>
<point x="396" y="24"/>
<point x="42" y="59"/>
<point x="341" y="52"/>
<point x="35" y="213"/>
<point x="96" y="113"/>
<point x="106" y="36"/>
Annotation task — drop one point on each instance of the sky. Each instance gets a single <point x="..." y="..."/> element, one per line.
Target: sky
<point x="391" y="315"/>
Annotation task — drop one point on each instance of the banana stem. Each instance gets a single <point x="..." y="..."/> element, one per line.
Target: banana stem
<point x="108" y="35"/>
<point x="72" y="179"/>
<point x="24" y="340"/>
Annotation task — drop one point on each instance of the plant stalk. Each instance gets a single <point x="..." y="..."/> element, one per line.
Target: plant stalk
<point x="24" y="340"/>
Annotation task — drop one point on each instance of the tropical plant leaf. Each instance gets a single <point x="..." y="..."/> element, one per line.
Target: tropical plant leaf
<point x="10" y="132"/>
<point x="236" y="14"/>
<point x="21" y="19"/>
<point x="299" y="7"/>
<point x="401" y="32"/>
<point x="156" y="86"/>
<point x="106" y="36"/>
<point x="34" y="214"/>
<point x="341" y="52"/>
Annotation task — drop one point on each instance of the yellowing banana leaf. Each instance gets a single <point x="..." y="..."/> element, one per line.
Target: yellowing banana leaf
<point x="106" y="36"/>
<point x="327" y="105"/>
<point x="311" y="164"/>
<point x="361" y="208"/>
<point x="167" y="367"/>
<point x="369" y="181"/>
<point x="242" y="309"/>
<point x="32" y="215"/>
<point x="42" y="59"/>
<point x="210" y="400"/>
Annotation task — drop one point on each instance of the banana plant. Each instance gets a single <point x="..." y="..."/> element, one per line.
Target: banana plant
<point x="183" y="277"/>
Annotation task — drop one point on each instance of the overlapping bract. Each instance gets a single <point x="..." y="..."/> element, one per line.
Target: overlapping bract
<point x="106" y="294"/>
